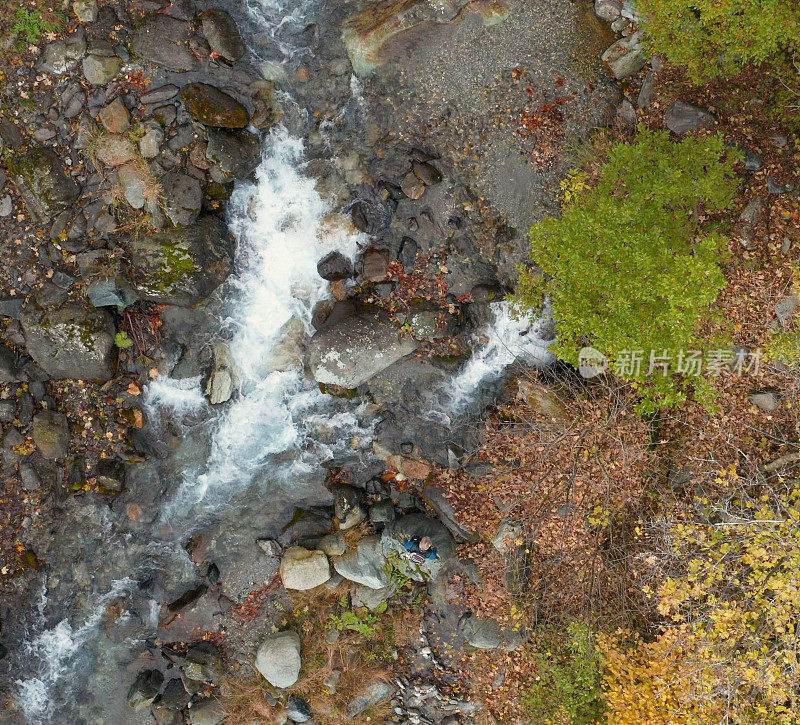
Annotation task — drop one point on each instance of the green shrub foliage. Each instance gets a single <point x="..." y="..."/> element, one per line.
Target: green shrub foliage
<point x="631" y="264"/>
<point x="568" y="687"/>
<point x="710" y="37"/>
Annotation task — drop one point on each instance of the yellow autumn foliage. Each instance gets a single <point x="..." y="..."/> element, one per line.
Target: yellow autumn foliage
<point x="729" y="649"/>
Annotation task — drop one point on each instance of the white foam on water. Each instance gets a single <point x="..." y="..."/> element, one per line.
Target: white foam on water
<point x="53" y="651"/>
<point x="508" y="339"/>
<point x="281" y="230"/>
<point x="179" y="396"/>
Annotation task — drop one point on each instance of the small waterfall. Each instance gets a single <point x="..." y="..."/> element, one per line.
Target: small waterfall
<point x="508" y="338"/>
<point x="282" y="230"/>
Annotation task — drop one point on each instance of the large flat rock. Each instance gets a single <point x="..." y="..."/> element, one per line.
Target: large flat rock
<point x="351" y="352"/>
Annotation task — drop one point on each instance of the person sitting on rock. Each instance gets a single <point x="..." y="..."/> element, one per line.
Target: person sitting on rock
<point x="420" y="548"/>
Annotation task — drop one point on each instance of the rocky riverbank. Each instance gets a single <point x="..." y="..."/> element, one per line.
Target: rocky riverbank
<point x="436" y="136"/>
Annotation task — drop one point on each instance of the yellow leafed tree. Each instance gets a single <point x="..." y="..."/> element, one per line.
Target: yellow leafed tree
<point x="730" y="650"/>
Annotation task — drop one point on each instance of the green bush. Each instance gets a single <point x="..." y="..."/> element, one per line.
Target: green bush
<point x="631" y="265"/>
<point x="569" y="681"/>
<point x="784" y="347"/>
<point x="710" y="37"/>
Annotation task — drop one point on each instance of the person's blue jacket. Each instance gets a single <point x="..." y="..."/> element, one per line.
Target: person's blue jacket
<point x="412" y="546"/>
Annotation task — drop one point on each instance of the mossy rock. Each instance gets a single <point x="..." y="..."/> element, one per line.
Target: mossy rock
<point x="213" y="107"/>
<point x="181" y="266"/>
<point x="43" y="182"/>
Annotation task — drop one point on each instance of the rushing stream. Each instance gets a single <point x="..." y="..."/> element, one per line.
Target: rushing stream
<point x="278" y="427"/>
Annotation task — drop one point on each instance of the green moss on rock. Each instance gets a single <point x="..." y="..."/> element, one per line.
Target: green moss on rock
<point x="213" y="107"/>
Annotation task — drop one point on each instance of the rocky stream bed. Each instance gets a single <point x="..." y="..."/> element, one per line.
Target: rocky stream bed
<point x="274" y="239"/>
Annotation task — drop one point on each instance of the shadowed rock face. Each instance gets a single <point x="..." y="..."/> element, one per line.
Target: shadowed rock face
<point x="369" y="30"/>
<point x="43" y="182"/>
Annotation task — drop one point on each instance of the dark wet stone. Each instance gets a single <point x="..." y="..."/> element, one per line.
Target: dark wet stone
<point x="43" y="182"/>
<point x="175" y="696"/>
<point x="181" y="266"/>
<point x="237" y="153"/>
<point x="203" y="662"/>
<point x="370" y="213"/>
<point x="12" y="307"/>
<point x="334" y="266"/>
<point x="71" y="342"/>
<point x="145" y="689"/>
<point x="222" y="34"/>
<point x="682" y="117"/>
<point x="213" y="107"/>
<point x="51" y="434"/>
<point x="752" y="161"/>
<point x="163" y="40"/>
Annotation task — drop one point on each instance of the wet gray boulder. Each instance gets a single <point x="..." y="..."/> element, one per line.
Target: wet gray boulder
<point x="106" y="283"/>
<point x="427" y="321"/>
<point x="608" y="10"/>
<point x="61" y="56"/>
<point x="50" y="433"/>
<point x="100" y="69"/>
<point x="334" y="266"/>
<point x="145" y="689"/>
<point x="374" y="695"/>
<point x="370" y="213"/>
<point x="351" y="352"/>
<point x="222" y="34"/>
<point x="682" y="117"/>
<point x="785" y="309"/>
<point x="71" y="341"/>
<point x="175" y="696"/>
<point x="372" y="598"/>
<point x="207" y="711"/>
<point x="237" y="153"/>
<point x="203" y="662"/>
<point x="164" y="41"/>
<point x="332" y="544"/>
<point x="404" y="383"/>
<point x="278" y="658"/>
<point x="213" y="107"/>
<point x="767" y="400"/>
<point x="626" y="56"/>
<point x="43" y="182"/>
<point x="366" y="564"/>
<point x="181" y="266"/>
<point x="223" y="380"/>
<point x="485" y="633"/>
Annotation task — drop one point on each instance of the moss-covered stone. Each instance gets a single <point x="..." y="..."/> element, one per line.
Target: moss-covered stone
<point x="213" y="107"/>
<point x="43" y="182"/>
<point x="181" y="266"/>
